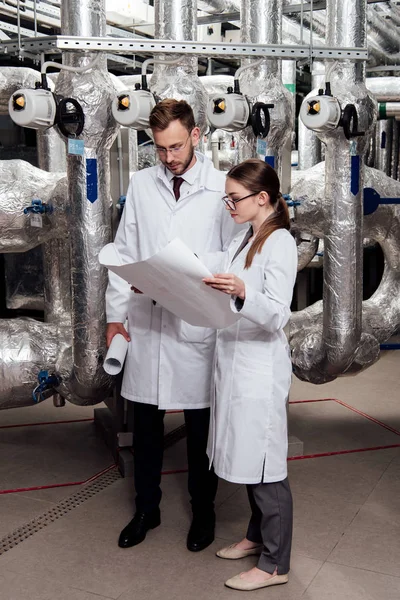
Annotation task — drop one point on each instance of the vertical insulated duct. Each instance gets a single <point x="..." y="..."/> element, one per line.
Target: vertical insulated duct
<point x="309" y="144"/>
<point x="342" y="338"/>
<point x="177" y="20"/>
<point x="56" y="253"/>
<point x="262" y="24"/>
<point x="383" y="145"/>
<point x="90" y="202"/>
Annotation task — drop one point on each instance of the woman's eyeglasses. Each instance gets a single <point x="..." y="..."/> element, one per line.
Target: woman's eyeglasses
<point x="231" y="204"/>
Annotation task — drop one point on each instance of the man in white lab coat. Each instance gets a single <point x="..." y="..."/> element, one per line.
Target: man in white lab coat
<point x="169" y="362"/>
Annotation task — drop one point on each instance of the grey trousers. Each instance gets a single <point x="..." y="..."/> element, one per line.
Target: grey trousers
<point x="271" y="524"/>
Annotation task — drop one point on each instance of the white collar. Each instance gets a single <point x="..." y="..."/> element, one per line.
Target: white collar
<point x="189" y="176"/>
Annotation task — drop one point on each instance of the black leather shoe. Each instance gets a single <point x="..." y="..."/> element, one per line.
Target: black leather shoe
<point x="201" y="533"/>
<point x="135" y="532"/>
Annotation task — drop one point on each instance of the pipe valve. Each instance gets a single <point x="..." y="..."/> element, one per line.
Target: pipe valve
<point x="39" y="108"/>
<point x="132" y="108"/>
<point x="38" y="208"/>
<point x="233" y="112"/>
<point x="45" y="387"/>
<point x="323" y="113"/>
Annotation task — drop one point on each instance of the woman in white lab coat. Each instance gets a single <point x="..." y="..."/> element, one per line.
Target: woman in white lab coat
<point x="248" y="430"/>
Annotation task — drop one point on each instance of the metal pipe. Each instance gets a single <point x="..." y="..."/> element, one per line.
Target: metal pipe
<point x="383" y="145"/>
<point x="56" y="253"/>
<point x="340" y="341"/>
<point x="35" y="17"/>
<point x="389" y="109"/>
<point x="342" y="296"/>
<point x="91" y="209"/>
<point x="19" y="27"/>
<point x="381" y="312"/>
<point x="218" y="7"/>
<point x="395" y="150"/>
<point x="120" y="159"/>
<point x="177" y="20"/>
<point x="309" y="145"/>
<point x="385" y="89"/>
<point x="262" y="24"/>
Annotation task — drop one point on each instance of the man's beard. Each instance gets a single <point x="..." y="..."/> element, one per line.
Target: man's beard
<point x="187" y="162"/>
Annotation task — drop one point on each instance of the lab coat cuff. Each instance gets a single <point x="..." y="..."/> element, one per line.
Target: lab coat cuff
<point x="236" y="304"/>
<point x="115" y="318"/>
<point x="246" y="309"/>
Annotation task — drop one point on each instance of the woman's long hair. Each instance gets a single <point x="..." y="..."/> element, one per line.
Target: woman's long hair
<point x="257" y="176"/>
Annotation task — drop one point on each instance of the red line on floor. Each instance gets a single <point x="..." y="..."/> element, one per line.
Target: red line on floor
<point x="363" y="414"/>
<point x="310" y="401"/>
<point x="171" y="412"/>
<point x="58" y="485"/>
<point x="44" y="423"/>
<point x="338" y="452"/>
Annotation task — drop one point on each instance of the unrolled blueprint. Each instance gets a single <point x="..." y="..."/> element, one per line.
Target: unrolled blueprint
<point x="173" y="279"/>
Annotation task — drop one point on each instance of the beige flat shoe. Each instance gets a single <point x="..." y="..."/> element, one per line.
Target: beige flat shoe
<point x="233" y="553"/>
<point x="236" y="583"/>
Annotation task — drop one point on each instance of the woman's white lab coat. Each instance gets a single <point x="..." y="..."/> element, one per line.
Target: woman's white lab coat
<point x="169" y="362"/>
<point x="248" y="431"/>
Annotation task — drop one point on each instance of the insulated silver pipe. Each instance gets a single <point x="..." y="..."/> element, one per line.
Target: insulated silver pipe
<point x="13" y="79"/>
<point x="395" y="150"/>
<point x="381" y="312"/>
<point x="90" y="201"/>
<point x="309" y="145"/>
<point x="383" y="145"/>
<point x="218" y="7"/>
<point x="342" y="296"/>
<point x="385" y="89"/>
<point x="262" y="24"/>
<point x="56" y="253"/>
<point x="27" y="347"/>
<point x="177" y="20"/>
<point x="335" y="347"/>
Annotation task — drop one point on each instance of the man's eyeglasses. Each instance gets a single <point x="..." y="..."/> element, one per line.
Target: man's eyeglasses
<point x="175" y="150"/>
<point x="231" y="204"/>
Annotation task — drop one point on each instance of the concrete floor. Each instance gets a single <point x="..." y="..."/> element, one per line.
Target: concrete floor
<point x="347" y="507"/>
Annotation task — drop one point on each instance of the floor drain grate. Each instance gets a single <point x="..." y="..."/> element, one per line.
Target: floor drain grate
<point x="62" y="508"/>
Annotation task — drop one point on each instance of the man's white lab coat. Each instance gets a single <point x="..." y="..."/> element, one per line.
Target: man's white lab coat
<point x="169" y="362"/>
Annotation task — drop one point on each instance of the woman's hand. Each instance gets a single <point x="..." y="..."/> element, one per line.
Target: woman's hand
<point x="227" y="283"/>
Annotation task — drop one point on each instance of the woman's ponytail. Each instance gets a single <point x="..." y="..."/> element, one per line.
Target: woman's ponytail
<point x="279" y="219"/>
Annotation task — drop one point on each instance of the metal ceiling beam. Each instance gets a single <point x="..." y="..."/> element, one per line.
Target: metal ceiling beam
<point x="288" y="9"/>
<point x="51" y="44"/>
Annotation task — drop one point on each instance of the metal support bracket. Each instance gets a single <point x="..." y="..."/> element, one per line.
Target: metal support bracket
<point x="52" y="44"/>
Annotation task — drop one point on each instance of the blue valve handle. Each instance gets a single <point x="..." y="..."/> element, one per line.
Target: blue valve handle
<point x="372" y="201"/>
<point x="289" y="200"/>
<point x="46" y="382"/>
<point x="38" y="208"/>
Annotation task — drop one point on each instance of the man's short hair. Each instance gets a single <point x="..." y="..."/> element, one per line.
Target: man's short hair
<point x="169" y="110"/>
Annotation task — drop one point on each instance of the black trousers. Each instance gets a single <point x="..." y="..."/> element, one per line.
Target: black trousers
<point x="271" y="524"/>
<point x="148" y="447"/>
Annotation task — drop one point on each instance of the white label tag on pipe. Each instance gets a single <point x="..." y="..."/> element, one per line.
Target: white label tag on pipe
<point x="261" y="147"/>
<point x="76" y="147"/>
<point x="36" y="221"/>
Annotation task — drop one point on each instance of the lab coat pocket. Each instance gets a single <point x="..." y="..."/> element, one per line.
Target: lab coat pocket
<point x="192" y="334"/>
<point x="139" y="317"/>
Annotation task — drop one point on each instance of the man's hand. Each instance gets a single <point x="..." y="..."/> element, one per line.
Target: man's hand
<point x="228" y="283"/>
<point x="113" y="329"/>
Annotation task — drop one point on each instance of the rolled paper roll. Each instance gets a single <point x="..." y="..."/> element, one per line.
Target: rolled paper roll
<point x="116" y="355"/>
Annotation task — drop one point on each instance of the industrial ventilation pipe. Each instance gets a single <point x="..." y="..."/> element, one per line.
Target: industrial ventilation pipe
<point x="89" y="201"/>
<point x="177" y="20"/>
<point x="326" y="357"/>
<point x="262" y="24"/>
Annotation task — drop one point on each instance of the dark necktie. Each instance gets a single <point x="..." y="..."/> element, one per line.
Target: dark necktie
<point x="177" y="187"/>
